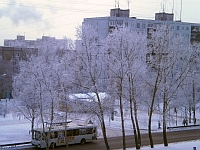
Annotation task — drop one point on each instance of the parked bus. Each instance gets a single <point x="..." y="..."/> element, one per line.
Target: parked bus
<point x="56" y="136"/>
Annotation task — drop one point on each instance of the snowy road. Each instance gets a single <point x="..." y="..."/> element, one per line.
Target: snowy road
<point x="116" y="142"/>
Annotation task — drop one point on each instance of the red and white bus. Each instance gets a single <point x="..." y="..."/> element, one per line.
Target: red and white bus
<point x="56" y="136"/>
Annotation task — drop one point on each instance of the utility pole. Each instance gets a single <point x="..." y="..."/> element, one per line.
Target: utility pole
<point x="193" y="96"/>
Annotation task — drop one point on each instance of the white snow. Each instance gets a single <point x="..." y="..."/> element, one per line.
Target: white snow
<point x="14" y="128"/>
<point x="190" y="145"/>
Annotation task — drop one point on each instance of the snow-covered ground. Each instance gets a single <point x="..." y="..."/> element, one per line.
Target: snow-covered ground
<point x="190" y="145"/>
<point x="14" y="128"/>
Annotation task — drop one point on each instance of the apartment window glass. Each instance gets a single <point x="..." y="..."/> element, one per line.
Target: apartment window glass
<point x="177" y="27"/>
<point x="132" y="24"/>
<point x="150" y="25"/>
<point x="138" y="25"/>
<point x="143" y="26"/>
<point x="126" y="24"/>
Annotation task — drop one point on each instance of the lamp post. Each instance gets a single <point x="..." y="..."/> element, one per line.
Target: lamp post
<point x="194" y="86"/>
<point x="4" y="110"/>
<point x="1" y="76"/>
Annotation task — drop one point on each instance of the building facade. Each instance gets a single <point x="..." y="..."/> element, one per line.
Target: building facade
<point x="9" y="60"/>
<point x="44" y="43"/>
<point x="120" y="18"/>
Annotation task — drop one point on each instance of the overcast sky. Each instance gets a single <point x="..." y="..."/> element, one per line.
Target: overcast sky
<point x="59" y="18"/>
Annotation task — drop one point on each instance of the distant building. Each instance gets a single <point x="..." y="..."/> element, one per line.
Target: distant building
<point x="9" y="60"/>
<point x="44" y="43"/>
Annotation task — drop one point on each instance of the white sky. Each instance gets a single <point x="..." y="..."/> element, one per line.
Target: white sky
<point x="59" y="18"/>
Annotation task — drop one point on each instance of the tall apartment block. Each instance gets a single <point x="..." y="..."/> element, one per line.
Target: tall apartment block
<point x="121" y="18"/>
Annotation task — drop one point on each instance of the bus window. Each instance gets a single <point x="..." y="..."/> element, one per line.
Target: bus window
<point x="33" y="137"/>
<point x="82" y="131"/>
<point x="75" y="132"/>
<point x="55" y="134"/>
<point x="94" y="130"/>
<point x="89" y="130"/>
<point x="51" y="135"/>
<point x="37" y="135"/>
<point x="61" y="133"/>
<point x="44" y="135"/>
<point x="69" y="132"/>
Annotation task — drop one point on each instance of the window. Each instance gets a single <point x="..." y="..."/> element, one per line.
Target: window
<point x="126" y="24"/>
<point x="37" y="135"/>
<point x="82" y="131"/>
<point x="187" y="28"/>
<point x="138" y="25"/>
<point x="56" y="134"/>
<point x="44" y="135"/>
<point x="132" y="24"/>
<point x="143" y="26"/>
<point x="177" y="27"/>
<point x="89" y="130"/>
<point x="17" y="54"/>
<point x="52" y="135"/>
<point x="75" y="132"/>
<point x="150" y="25"/>
<point x="69" y="132"/>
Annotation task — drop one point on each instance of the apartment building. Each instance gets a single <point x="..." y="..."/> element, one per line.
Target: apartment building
<point x="44" y="43"/>
<point x="121" y="18"/>
<point x="9" y="60"/>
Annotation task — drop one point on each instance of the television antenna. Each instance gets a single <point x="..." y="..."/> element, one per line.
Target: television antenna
<point x="128" y="3"/>
<point x="181" y="11"/>
<point x="116" y="3"/>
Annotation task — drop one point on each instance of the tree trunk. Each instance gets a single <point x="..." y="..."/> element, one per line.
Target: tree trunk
<point x="149" y="128"/>
<point x="32" y="123"/>
<point x="164" y="121"/>
<point x="137" y="144"/>
<point x="122" y="117"/>
<point x="134" y="122"/>
<point x="137" y="126"/>
<point x="104" y="135"/>
<point x="103" y="127"/>
<point x="165" y="134"/>
<point x="151" y="110"/>
<point x="190" y="114"/>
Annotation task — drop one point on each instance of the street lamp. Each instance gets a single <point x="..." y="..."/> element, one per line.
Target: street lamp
<point x="2" y="91"/>
<point x="194" y="94"/>
<point x="1" y="76"/>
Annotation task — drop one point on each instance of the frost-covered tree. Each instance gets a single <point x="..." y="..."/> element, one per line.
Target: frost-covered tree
<point x="25" y="92"/>
<point x="126" y="50"/>
<point x="89" y="71"/>
<point x="36" y="86"/>
<point x="169" y="59"/>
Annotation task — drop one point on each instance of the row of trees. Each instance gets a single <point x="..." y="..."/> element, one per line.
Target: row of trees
<point x="131" y="67"/>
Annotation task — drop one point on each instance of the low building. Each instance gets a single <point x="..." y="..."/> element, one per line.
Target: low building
<point x="44" y="43"/>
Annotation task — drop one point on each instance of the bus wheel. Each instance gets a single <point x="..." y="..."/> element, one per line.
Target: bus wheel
<point x="53" y="145"/>
<point x="83" y="141"/>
